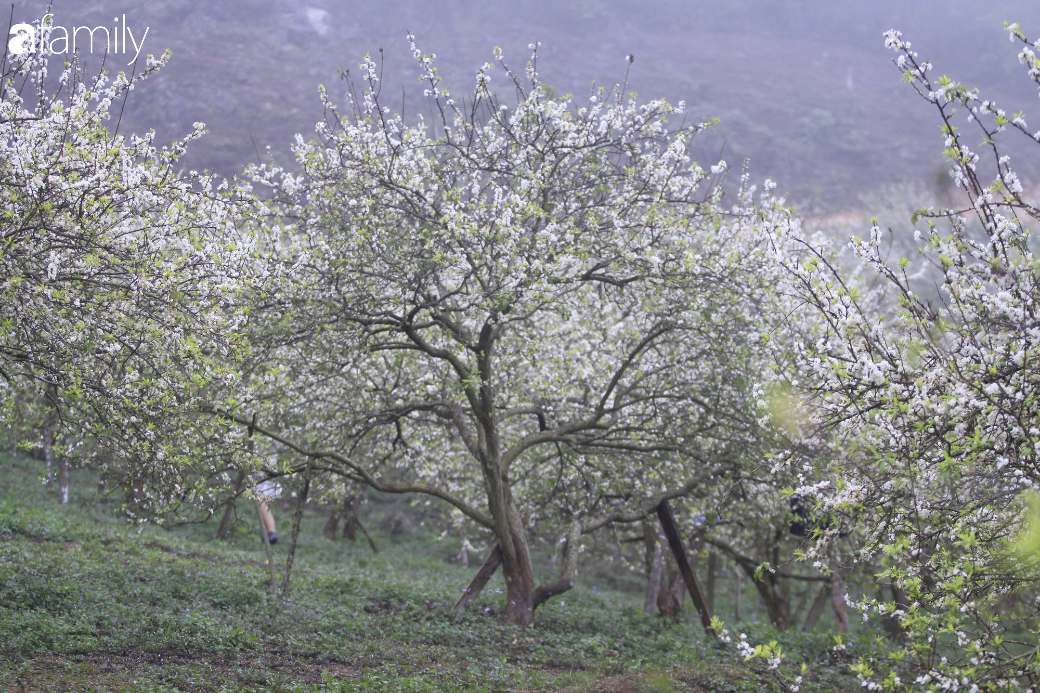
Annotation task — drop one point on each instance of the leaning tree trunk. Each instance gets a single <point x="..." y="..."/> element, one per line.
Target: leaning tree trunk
<point x="480" y="580"/>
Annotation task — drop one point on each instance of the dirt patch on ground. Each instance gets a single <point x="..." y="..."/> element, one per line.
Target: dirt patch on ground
<point x="183" y="670"/>
<point x="190" y="555"/>
<point x="198" y="556"/>
<point x="622" y="684"/>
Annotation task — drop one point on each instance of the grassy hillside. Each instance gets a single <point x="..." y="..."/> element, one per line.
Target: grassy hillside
<point x="90" y="603"/>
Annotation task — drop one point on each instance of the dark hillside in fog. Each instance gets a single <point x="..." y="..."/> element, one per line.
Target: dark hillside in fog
<point x="804" y="88"/>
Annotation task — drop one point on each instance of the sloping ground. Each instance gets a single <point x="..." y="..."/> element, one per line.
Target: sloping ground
<point x="89" y="603"/>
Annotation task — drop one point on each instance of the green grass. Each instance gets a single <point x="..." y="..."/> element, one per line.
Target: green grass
<point x="88" y="602"/>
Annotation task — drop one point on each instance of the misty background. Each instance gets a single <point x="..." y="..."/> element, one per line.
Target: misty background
<point x="804" y="88"/>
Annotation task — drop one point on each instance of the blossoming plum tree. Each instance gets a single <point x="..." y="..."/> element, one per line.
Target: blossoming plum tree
<point x="538" y="313"/>
<point x="113" y="270"/>
<point x="937" y="404"/>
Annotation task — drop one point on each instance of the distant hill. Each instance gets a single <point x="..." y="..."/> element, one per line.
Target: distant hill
<point x="804" y="88"/>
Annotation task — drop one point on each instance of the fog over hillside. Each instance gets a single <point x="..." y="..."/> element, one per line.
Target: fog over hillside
<point x="804" y="88"/>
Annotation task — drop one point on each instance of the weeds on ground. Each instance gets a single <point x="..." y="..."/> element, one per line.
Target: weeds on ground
<point x="88" y="602"/>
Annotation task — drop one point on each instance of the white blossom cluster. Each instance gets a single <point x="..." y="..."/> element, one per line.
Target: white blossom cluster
<point x="116" y="275"/>
<point x="932" y="410"/>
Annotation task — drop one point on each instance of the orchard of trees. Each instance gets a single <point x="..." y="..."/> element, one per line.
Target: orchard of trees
<point x="538" y="310"/>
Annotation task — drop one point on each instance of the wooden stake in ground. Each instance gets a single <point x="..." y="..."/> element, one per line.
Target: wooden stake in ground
<point x="671" y="532"/>
<point x="301" y="501"/>
<point x="487" y="570"/>
<point x="372" y="544"/>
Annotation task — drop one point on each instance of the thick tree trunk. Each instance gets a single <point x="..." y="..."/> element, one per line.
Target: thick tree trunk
<point x="518" y="572"/>
<point x="522" y="595"/>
